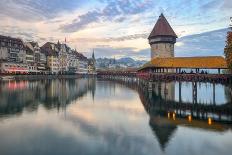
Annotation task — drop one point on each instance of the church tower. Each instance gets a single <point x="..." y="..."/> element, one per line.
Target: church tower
<point x="162" y="39"/>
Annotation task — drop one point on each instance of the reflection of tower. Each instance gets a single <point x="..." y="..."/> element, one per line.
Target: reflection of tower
<point x="94" y="61"/>
<point x="162" y="130"/>
<point x="162" y="39"/>
<point x="92" y="86"/>
<point x="161" y="126"/>
<point x="165" y="90"/>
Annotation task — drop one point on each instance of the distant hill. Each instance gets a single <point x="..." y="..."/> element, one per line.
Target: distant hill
<point x="119" y="63"/>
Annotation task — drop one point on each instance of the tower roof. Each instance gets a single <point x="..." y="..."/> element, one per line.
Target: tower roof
<point x="162" y="28"/>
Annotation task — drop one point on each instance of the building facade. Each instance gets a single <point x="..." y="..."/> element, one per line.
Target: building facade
<point x="30" y="58"/>
<point x="12" y="50"/>
<point x="39" y="57"/>
<point x="73" y="61"/>
<point x="20" y="57"/>
<point x="51" y="51"/>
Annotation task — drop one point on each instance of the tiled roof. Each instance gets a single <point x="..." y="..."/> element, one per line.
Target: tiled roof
<point x="162" y="28"/>
<point x="210" y="62"/>
<point x="48" y="50"/>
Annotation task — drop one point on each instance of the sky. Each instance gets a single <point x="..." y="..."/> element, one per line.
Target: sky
<point x="118" y="28"/>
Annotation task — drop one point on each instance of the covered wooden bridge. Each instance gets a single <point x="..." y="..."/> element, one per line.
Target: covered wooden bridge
<point x="204" y="65"/>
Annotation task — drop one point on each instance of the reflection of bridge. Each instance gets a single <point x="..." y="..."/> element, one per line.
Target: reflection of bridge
<point x="155" y="102"/>
<point x="166" y="114"/>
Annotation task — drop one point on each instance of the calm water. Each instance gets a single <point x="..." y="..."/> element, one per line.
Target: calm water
<point x="89" y="116"/>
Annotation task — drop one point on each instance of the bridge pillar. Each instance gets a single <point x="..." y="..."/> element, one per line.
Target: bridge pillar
<point x="219" y="71"/>
<point x="194" y="92"/>
<point x="180" y="85"/>
<point x="214" y="100"/>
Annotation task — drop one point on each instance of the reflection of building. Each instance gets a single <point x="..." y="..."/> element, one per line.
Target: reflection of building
<point x="16" y="95"/>
<point x="165" y="90"/>
<point x="162" y="130"/>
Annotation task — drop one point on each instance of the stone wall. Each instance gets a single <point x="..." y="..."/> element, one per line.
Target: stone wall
<point x="162" y="50"/>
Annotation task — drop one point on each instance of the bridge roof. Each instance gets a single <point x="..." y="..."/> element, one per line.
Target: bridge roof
<point x="209" y="62"/>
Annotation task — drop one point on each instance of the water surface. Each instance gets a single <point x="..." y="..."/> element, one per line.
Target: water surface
<point x="89" y="116"/>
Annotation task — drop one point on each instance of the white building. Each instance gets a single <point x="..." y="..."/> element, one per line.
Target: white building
<point x="12" y="50"/>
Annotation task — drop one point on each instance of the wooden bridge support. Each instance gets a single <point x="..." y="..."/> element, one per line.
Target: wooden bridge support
<point x="180" y="85"/>
<point x="194" y="92"/>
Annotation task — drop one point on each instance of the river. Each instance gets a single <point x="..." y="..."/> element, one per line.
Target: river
<point x="102" y="117"/>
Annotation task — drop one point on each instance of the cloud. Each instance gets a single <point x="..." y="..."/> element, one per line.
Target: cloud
<point x="114" y="11"/>
<point x="204" y="44"/>
<point x="110" y="39"/>
<point x="36" y="10"/>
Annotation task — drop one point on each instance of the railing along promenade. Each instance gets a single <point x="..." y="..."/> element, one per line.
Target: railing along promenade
<point x="196" y="77"/>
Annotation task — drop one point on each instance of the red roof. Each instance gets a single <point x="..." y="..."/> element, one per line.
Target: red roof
<point x="162" y="28"/>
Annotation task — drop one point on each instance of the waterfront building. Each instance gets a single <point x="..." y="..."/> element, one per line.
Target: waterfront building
<point x="30" y="58"/>
<point x="13" y="68"/>
<point x="39" y="57"/>
<point x="56" y="58"/>
<point x="52" y="53"/>
<point x="73" y="61"/>
<point x="63" y="51"/>
<point x="163" y="60"/>
<point x="83" y="64"/>
<point x="12" y="50"/>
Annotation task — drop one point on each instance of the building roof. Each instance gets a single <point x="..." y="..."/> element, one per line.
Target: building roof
<point x="209" y="62"/>
<point x="50" y="49"/>
<point x="162" y="28"/>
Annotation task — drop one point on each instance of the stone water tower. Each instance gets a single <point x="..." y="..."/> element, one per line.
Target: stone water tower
<point x="162" y="39"/>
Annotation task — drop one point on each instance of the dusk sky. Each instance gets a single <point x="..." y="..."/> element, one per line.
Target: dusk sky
<point x="118" y="28"/>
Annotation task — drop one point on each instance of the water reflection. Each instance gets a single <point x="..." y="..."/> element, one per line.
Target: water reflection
<point x="16" y="95"/>
<point x="89" y="116"/>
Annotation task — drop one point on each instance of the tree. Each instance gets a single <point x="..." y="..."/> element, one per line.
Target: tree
<point x="228" y="48"/>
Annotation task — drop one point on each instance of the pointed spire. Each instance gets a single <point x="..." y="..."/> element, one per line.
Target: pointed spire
<point x="93" y="56"/>
<point x="162" y="28"/>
